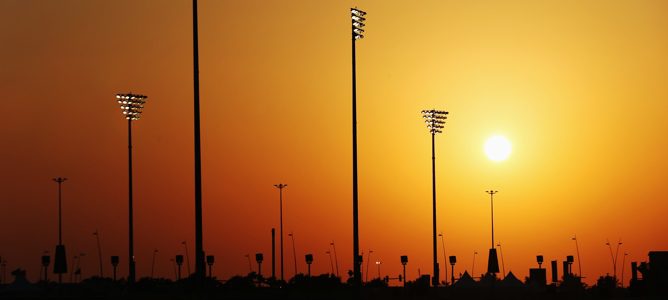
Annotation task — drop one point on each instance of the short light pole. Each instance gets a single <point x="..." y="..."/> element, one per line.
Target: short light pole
<point x="435" y="120"/>
<point x="503" y="264"/>
<point x="309" y="261"/>
<point x="368" y="259"/>
<point x="114" y="263"/>
<point x="336" y="260"/>
<point x="155" y="252"/>
<point x="357" y="17"/>
<point x="210" y="260"/>
<point x="280" y="188"/>
<point x="294" y="252"/>
<point x="331" y="264"/>
<point x="46" y="261"/>
<point x="132" y="106"/>
<point x="445" y="264"/>
<point x="404" y="261"/>
<point x="577" y="251"/>
<point x="378" y="263"/>
<point x="60" y="265"/>
<point x="453" y="261"/>
<point x="99" y="251"/>
<point x="259" y="258"/>
<point x="179" y="261"/>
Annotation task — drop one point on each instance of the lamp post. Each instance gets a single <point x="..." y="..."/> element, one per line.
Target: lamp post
<point x="60" y="264"/>
<point x="185" y="246"/>
<point x="473" y="267"/>
<point x="404" y="261"/>
<point x="46" y="260"/>
<point x="577" y="251"/>
<point x="259" y="258"/>
<point x="623" y="265"/>
<point x="131" y="105"/>
<point x="155" y="252"/>
<point x="503" y="264"/>
<point x="445" y="264"/>
<point x="99" y="251"/>
<point x="435" y="120"/>
<point x="378" y="263"/>
<point x="309" y="261"/>
<point x="280" y="187"/>
<point x="114" y="263"/>
<point x="179" y="262"/>
<point x="614" y="258"/>
<point x="368" y="259"/>
<point x="199" y="243"/>
<point x="357" y="18"/>
<point x="493" y="260"/>
<point x="331" y="264"/>
<point x="336" y="260"/>
<point x="453" y="261"/>
<point x="210" y="260"/>
<point x="250" y="266"/>
<point x="294" y="252"/>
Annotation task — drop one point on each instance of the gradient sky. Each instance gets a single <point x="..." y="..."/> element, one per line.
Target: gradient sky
<point x="579" y="87"/>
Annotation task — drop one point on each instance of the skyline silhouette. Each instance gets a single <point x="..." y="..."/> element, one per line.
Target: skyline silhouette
<point x="582" y="112"/>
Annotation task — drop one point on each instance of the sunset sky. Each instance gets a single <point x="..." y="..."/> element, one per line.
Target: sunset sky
<point x="580" y="88"/>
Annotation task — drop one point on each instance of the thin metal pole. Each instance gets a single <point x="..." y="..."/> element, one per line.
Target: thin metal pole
<point x="99" y="252"/>
<point x="491" y="199"/>
<point x="433" y="192"/>
<point x="357" y="274"/>
<point x="445" y="263"/>
<point x="503" y="264"/>
<point x="368" y="260"/>
<point x="577" y="250"/>
<point x="185" y="245"/>
<point x="331" y="264"/>
<point x="131" y="245"/>
<point x="336" y="260"/>
<point x="294" y="252"/>
<point x="200" y="268"/>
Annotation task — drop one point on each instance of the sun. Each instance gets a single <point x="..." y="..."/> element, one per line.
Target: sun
<point x="498" y="148"/>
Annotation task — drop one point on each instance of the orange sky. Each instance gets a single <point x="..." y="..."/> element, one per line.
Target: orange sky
<point x="579" y="87"/>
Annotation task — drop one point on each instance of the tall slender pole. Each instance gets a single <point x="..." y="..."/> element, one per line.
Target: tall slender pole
<point x="473" y="267"/>
<point x="357" y="274"/>
<point x="331" y="264"/>
<point x="280" y="187"/>
<point x="99" y="252"/>
<point x="131" y="243"/>
<point x="612" y="257"/>
<point x="615" y="262"/>
<point x="250" y="266"/>
<point x="200" y="268"/>
<point x="577" y="251"/>
<point x="623" y="264"/>
<point x="433" y="193"/>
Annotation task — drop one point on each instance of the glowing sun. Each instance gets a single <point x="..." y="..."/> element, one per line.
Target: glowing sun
<point x="498" y="148"/>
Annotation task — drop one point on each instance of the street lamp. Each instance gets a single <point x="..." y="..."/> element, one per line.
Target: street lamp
<point x="493" y="260"/>
<point x="614" y="258"/>
<point x="259" y="258"/>
<point x="435" y="120"/>
<point x="336" y="259"/>
<point x="155" y="252"/>
<point x="60" y="265"/>
<point x="577" y="250"/>
<point x="46" y="260"/>
<point x="473" y="267"/>
<point x="368" y="259"/>
<point x="250" y="266"/>
<point x="309" y="261"/>
<point x="280" y="187"/>
<point x="378" y="263"/>
<point x="210" y="260"/>
<point x="132" y="106"/>
<point x="357" y="18"/>
<point x="294" y="253"/>
<point x="99" y="251"/>
<point x="445" y="264"/>
<point x="623" y="264"/>
<point x="453" y="261"/>
<point x="331" y="264"/>
<point x="179" y="262"/>
<point x="503" y="264"/>
<point x="185" y="246"/>
<point x="114" y="263"/>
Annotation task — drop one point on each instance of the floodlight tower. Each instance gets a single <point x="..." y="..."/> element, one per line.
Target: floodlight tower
<point x="200" y="268"/>
<point x="358" y="19"/>
<point x="435" y="120"/>
<point x="131" y="105"/>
